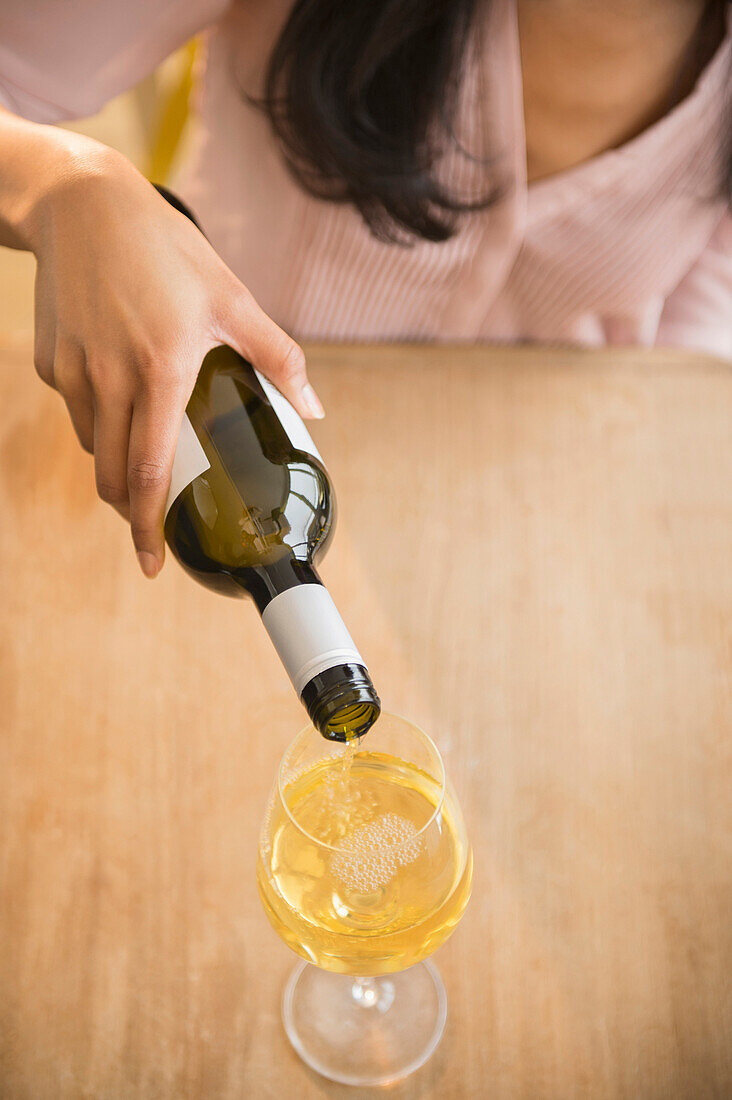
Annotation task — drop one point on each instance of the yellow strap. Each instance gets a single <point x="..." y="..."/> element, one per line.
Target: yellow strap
<point x="172" y="117"/>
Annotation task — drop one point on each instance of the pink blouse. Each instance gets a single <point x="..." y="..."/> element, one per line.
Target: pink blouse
<point x="633" y="246"/>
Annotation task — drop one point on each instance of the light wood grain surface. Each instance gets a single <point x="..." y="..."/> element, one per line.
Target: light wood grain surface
<point x="535" y="555"/>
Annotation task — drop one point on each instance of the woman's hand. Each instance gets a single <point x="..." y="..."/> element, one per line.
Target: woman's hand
<point x="129" y="298"/>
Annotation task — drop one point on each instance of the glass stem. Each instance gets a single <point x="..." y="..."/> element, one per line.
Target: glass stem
<point x="373" y="993"/>
<point x="365" y="992"/>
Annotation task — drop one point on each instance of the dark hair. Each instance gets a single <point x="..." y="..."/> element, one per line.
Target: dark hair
<point x="362" y="94"/>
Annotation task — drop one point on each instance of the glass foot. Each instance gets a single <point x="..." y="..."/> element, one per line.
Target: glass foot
<point x="364" y="1031"/>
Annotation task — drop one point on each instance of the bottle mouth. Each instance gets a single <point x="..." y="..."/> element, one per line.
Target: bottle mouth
<point x="342" y="702"/>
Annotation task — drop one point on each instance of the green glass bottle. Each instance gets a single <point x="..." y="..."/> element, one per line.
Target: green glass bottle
<point x="251" y="510"/>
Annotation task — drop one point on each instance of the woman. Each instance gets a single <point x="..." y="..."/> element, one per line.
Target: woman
<point x="378" y="169"/>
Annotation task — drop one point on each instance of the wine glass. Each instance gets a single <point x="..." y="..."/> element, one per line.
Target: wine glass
<point x="364" y="870"/>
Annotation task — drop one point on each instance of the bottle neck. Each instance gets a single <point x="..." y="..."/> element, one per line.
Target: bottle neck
<point x="320" y="657"/>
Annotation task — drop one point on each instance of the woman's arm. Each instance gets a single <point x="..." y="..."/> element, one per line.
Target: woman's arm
<point x="65" y="59"/>
<point x="698" y="314"/>
<point x="129" y="298"/>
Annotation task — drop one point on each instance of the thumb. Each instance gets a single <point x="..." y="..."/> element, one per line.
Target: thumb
<point x="247" y="328"/>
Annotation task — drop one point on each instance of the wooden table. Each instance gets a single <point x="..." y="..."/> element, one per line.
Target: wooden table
<point x="535" y="553"/>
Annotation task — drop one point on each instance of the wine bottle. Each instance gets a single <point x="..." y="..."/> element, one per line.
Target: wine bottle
<point x="250" y="511"/>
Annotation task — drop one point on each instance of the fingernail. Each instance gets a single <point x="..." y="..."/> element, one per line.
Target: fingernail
<point x="310" y="400"/>
<point x="148" y="563"/>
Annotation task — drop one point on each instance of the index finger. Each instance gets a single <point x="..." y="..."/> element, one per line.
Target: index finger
<point x="154" y="431"/>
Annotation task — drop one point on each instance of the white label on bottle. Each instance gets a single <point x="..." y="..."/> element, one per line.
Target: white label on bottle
<point x="296" y="431"/>
<point x="308" y="633"/>
<point x="190" y="461"/>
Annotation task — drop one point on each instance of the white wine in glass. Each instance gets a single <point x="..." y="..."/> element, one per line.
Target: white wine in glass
<point x="364" y="870"/>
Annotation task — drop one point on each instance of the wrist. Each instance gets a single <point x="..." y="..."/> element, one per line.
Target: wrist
<point x="30" y="155"/>
<point x="43" y="167"/>
<point x="71" y="164"/>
